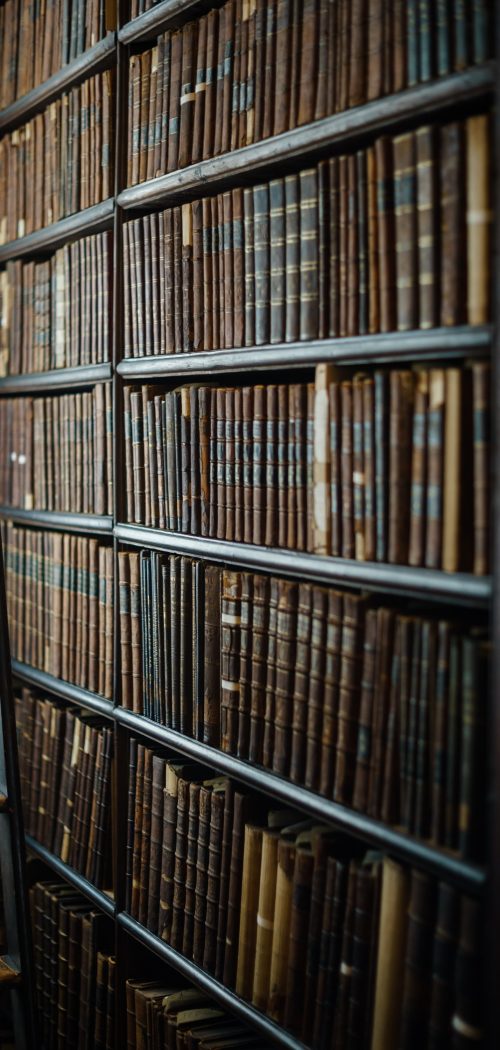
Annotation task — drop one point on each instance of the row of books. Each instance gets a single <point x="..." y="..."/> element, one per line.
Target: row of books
<point x="75" y="972"/>
<point x="361" y="243"/>
<point x="379" y="710"/>
<point x="57" y="313"/>
<point x="390" y="465"/>
<point x="60" y="161"/>
<point x="60" y="605"/>
<point x="163" y="1016"/>
<point x="65" y="761"/>
<point x="58" y="452"/>
<point x="37" y="40"/>
<point x="251" y="70"/>
<point x="296" y="918"/>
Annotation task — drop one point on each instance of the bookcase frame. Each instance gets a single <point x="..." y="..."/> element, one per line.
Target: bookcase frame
<point x="459" y="93"/>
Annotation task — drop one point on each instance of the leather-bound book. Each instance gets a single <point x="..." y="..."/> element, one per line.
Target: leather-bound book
<point x="270" y="531"/>
<point x="238" y="261"/>
<point x="251" y="865"/>
<point x="230" y="659"/>
<point x="204" y="414"/>
<point x="269" y="70"/>
<point x="358" y="1025"/>
<point x="427" y="227"/>
<point x="435" y="468"/>
<point x="221" y="462"/>
<point x="406" y="245"/>
<point x="349" y="696"/>
<point x="150" y="120"/>
<point x="334" y="438"/>
<point x="299" y="392"/>
<point x="283" y="58"/>
<point x="211" y="75"/>
<point x="213" y="464"/>
<point x="224" y="873"/>
<point x="247" y="398"/>
<point x="286" y="626"/>
<point x="426" y="704"/>
<point x="443" y="966"/>
<point x="241" y="814"/>
<point x="145" y="826"/>
<point x="212" y="656"/>
<point x="386" y="233"/>
<point x="346" y="970"/>
<point x="237" y="395"/>
<point x="375" y="41"/>
<point x="381" y="705"/>
<point x="186" y="943"/>
<point x="299" y="922"/>
<point x="418" y="960"/>
<point x="315" y="699"/>
<point x="226" y="264"/>
<point x="365" y="742"/>
<point x="192" y="92"/>
<point x="136" y="854"/>
<point x="215" y="845"/>
<point x="353" y="277"/>
<point x="478" y="204"/>
<point x="358" y="467"/>
<point x="206" y="339"/>
<point x="277" y="260"/>
<point x="283" y="427"/>
<point x="187" y="277"/>
<point x="228" y="18"/>
<point x="309" y="283"/>
<point x="245" y="673"/>
<point x="186" y="649"/>
<point x="292" y="259"/>
<point x="229" y="464"/>
<point x="281" y="929"/>
<point x="259" y="464"/>
<point x="180" y="863"/>
<point x="453" y="216"/>
<point x="238" y="88"/>
<point x="389" y="970"/>
<point x="471" y="776"/>
<point x="400" y="429"/>
<point x="173" y="775"/>
<point x="270" y="679"/>
<point x="467" y="1023"/>
<point x="409" y="724"/>
<point x="346" y="469"/>
<point x="301" y="670"/>
<point x="322" y="460"/>
<point x="291" y="475"/>
<point x="249" y="296"/>
<point x="419" y="456"/>
<point x="261" y="263"/>
<point x="331" y="694"/>
<point x="259" y="648"/>
<point x="481" y="452"/>
<point x="265" y="919"/>
<point x="174" y="101"/>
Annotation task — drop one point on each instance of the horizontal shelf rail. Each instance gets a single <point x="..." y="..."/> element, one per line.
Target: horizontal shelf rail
<point x="468" y="876"/>
<point x="80" y="224"/>
<point x="98" y="897"/>
<point x="228" y="999"/>
<point x="425" y="344"/>
<point x="66" y="690"/>
<point x="92" y="61"/>
<point x="32" y="382"/>
<point x="459" y="588"/>
<point x="169" y="14"/>
<point x="92" y="524"/>
<point x="261" y="158"/>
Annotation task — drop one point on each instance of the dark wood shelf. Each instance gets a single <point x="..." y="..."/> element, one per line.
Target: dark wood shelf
<point x="228" y="999"/>
<point x="430" y="585"/>
<point x="90" y="524"/>
<point x="102" y="900"/>
<point x="169" y="14"/>
<point x="57" y="378"/>
<point x="424" y="344"/>
<point x="80" y="224"/>
<point x="298" y="147"/>
<point x="66" y="690"/>
<point x="97" y="58"/>
<point x="469" y="876"/>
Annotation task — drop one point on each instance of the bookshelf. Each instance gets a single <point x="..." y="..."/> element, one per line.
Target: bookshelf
<point x="454" y="96"/>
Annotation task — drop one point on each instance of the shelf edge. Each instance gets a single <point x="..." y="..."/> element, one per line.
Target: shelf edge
<point x="91" y="524"/>
<point x="79" y="376"/>
<point x="90" y="220"/>
<point x="98" y="897"/>
<point x="66" y="690"/>
<point x="425" y="584"/>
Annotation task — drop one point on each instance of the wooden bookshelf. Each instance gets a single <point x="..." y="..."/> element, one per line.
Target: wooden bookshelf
<point x="458" y="94"/>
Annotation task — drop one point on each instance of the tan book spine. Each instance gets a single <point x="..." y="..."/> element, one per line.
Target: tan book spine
<point x="389" y="971"/>
<point x="265" y="920"/>
<point x="252" y="853"/>
<point x="321" y="465"/>
<point x="479" y="218"/>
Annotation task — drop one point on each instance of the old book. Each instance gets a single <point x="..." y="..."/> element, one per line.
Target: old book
<point x="418" y="958"/>
<point x="322" y="453"/>
<point x="391" y="954"/>
<point x="453" y="217"/>
<point x="252" y="852"/>
<point x="435" y="477"/>
<point x="419" y="457"/>
<point x="309" y="287"/>
<point x="401" y="408"/>
<point x="386" y="233"/>
<point x="477" y="130"/>
<point x="405" y="211"/>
